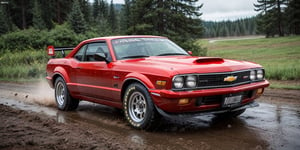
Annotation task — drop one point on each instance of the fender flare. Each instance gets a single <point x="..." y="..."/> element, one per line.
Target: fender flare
<point x="136" y="77"/>
<point x="141" y="78"/>
<point x="60" y="71"/>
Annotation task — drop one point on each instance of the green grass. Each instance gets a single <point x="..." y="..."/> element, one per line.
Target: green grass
<point x="279" y="56"/>
<point x="21" y="66"/>
<point x="284" y="86"/>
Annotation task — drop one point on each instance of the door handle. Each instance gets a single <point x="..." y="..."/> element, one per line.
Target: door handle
<point x="78" y="67"/>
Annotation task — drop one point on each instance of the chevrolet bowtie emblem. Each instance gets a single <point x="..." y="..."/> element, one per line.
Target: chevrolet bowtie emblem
<point x="230" y="78"/>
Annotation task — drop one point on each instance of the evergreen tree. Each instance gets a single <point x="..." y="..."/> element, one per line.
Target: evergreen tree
<point x="242" y="27"/>
<point x="125" y="16"/>
<point x="4" y="28"/>
<point x="37" y="19"/>
<point x="238" y="27"/>
<point x="63" y="10"/>
<point x="237" y="31"/>
<point x="96" y="9"/>
<point x="176" y="19"/>
<point x="102" y="23"/>
<point x="103" y="9"/>
<point x="22" y="13"/>
<point x="112" y="17"/>
<point x="293" y="17"/>
<point x="103" y="27"/>
<point x="55" y="11"/>
<point x="271" y="10"/>
<point x="85" y="9"/>
<point x="76" y="19"/>
<point x="139" y="23"/>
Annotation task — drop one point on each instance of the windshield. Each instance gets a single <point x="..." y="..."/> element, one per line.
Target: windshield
<point x="127" y="48"/>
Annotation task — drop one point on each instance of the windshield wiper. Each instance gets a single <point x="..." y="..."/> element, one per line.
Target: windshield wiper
<point x="168" y="54"/>
<point x="136" y="56"/>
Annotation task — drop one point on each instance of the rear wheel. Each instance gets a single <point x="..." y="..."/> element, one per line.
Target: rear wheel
<point x="139" y="109"/>
<point x="63" y="98"/>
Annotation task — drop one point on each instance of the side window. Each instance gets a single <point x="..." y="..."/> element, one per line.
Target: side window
<point x="94" y="48"/>
<point x="80" y="54"/>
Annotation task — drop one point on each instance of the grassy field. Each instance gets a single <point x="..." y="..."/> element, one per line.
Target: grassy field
<point x="279" y="56"/>
<point x="27" y="65"/>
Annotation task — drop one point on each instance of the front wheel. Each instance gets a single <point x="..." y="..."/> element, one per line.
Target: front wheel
<point x="63" y="98"/>
<point x="139" y="109"/>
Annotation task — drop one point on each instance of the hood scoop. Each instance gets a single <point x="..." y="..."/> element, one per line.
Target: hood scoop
<point x="209" y="60"/>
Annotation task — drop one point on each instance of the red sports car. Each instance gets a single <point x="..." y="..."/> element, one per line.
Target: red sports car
<point x="149" y="77"/>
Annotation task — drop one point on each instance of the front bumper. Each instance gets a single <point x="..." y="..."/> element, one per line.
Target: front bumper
<point x="168" y="100"/>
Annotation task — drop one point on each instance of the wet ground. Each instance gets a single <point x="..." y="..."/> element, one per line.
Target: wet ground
<point x="273" y="125"/>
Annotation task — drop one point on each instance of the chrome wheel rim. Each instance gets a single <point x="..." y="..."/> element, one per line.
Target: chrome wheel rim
<point x="137" y="107"/>
<point x="60" y="93"/>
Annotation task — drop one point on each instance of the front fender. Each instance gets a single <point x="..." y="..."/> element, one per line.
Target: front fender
<point x="141" y="78"/>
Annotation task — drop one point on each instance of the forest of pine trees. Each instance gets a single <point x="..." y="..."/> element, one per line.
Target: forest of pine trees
<point x="240" y="27"/>
<point x="76" y="20"/>
<point x="156" y="17"/>
<point x="278" y="17"/>
<point x="40" y="14"/>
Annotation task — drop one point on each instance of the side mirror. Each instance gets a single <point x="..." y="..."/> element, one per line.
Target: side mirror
<point x="101" y="57"/>
<point x="190" y="52"/>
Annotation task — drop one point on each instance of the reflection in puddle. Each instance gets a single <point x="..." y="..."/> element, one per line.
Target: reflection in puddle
<point x="280" y="124"/>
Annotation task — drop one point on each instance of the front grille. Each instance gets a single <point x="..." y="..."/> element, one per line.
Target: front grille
<point x="209" y="100"/>
<point x="216" y="80"/>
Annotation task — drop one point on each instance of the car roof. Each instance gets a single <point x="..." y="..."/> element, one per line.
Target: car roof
<point x="125" y="36"/>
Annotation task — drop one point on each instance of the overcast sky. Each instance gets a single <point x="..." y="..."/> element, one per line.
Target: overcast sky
<point x="218" y="10"/>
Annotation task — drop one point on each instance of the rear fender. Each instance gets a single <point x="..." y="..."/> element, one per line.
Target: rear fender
<point x="60" y="71"/>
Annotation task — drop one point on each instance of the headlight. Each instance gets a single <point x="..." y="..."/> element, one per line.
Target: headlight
<point x="259" y="74"/>
<point x="178" y="82"/>
<point x="252" y="75"/>
<point x="190" y="81"/>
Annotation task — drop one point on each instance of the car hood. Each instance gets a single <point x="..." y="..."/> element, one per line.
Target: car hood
<point x="189" y="64"/>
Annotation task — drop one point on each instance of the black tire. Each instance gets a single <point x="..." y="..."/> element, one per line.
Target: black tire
<point x="231" y="114"/>
<point x="63" y="98"/>
<point x="139" y="109"/>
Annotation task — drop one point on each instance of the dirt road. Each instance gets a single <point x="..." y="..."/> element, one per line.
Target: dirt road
<point x="29" y="120"/>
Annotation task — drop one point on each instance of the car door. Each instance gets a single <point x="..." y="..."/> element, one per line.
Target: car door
<point x="93" y="78"/>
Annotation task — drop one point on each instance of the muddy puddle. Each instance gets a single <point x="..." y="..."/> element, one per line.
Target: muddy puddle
<point x="272" y="125"/>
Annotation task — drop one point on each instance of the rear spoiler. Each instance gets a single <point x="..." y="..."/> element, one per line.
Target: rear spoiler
<point x="51" y="50"/>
